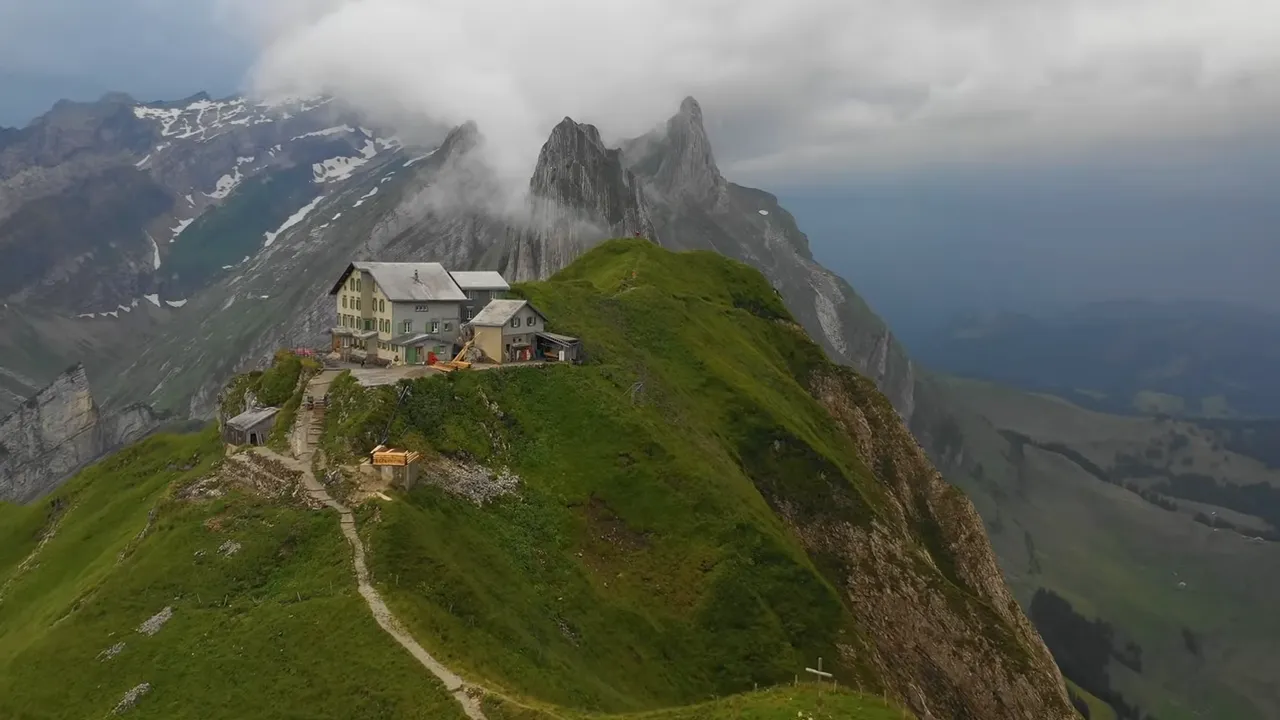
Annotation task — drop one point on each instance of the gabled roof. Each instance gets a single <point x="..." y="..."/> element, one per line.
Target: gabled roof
<point x="247" y="420"/>
<point x="407" y="282"/>
<point x="559" y="339"/>
<point x="479" y="280"/>
<point x="500" y="312"/>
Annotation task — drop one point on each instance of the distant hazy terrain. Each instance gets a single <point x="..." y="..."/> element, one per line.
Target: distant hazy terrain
<point x="1186" y="359"/>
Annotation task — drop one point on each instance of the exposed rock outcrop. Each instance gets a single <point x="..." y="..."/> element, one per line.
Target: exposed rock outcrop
<point x="956" y="650"/>
<point x="58" y="431"/>
<point x="580" y="194"/>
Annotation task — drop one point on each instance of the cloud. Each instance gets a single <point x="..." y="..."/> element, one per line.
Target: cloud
<point x="799" y="89"/>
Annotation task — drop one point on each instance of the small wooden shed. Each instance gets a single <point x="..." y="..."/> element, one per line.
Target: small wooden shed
<point x="398" y="467"/>
<point x="561" y="348"/>
<point x="250" y="427"/>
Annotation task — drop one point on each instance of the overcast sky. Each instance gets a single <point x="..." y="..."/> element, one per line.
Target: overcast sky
<point x="803" y="93"/>
<point x="795" y="89"/>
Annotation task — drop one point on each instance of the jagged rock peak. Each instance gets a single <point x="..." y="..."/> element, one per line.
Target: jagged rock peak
<point x="580" y="193"/>
<point x="577" y="171"/>
<point x="460" y="140"/>
<point x="677" y="160"/>
<point x="689" y="167"/>
<point x="689" y="107"/>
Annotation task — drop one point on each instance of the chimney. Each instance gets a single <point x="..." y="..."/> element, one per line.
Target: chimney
<point x="415" y="275"/>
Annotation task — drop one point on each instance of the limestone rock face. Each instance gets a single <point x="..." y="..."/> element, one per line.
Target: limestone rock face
<point x="696" y="208"/>
<point x="580" y="194"/>
<point x="961" y="649"/>
<point x="58" y="431"/>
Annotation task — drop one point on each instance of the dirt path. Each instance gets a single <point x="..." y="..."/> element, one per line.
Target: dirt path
<point x="381" y="613"/>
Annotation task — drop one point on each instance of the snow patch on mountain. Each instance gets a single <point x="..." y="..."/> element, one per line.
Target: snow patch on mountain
<point x="337" y="130"/>
<point x="411" y="161"/>
<point x="143" y="161"/>
<point x="226" y="184"/>
<point x="155" y="253"/>
<point x="366" y="196"/>
<point x="154" y="299"/>
<point x="341" y="168"/>
<point x="206" y="119"/>
<point x="293" y="219"/>
<point x="175" y="303"/>
<point x="177" y="229"/>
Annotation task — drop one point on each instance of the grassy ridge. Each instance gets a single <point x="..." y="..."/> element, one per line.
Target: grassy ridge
<point x="278" y="621"/>
<point x="803" y="702"/>
<point x="642" y="563"/>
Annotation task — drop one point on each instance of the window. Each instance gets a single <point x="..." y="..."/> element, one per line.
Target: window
<point x="382" y="306"/>
<point x="419" y="308"/>
<point x="471" y="294"/>
<point x="531" y="321"/>
<point x="357" y="302"/>
<point x="406" y="326"/>
<point x="466" y="313"/>
<point x="368" y="324"/>
<point x="435" y="326"/>
<point x="515" y="322"/>
<point x="344" y="301"/>
<point x="447" y="326"/>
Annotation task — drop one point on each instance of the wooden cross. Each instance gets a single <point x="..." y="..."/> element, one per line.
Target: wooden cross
<point x="819" y="675"/>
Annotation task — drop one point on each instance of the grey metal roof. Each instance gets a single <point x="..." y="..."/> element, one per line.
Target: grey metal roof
<point x="408" y="282"/>
<point x="499" y="312"/>
<point x="562" y="339"/>
<point x="414" y="339"/>
<point x="250" y="418"/>
<point x="480" y="280"/>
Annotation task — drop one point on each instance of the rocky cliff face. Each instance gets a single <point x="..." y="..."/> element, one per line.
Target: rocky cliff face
<point x="960" y="649"/>
<point x="696" y="208"/>
<point x="58" y="431"/>
<point x="580" y="194"/>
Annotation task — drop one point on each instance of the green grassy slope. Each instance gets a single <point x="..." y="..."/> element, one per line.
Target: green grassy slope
<point x="805" y="702"/>
<point x="277" y="624"/>
<point x="643" y="562"/>
<point x="1119" y="557"/>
